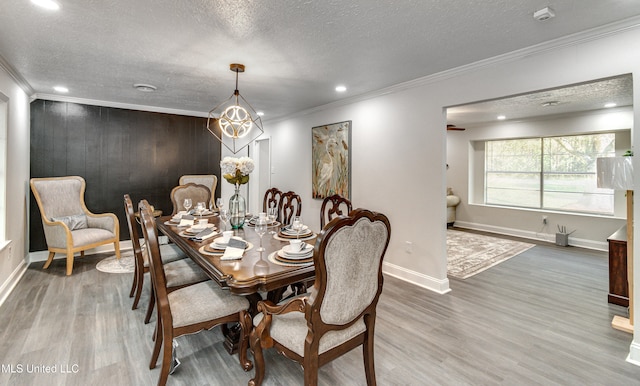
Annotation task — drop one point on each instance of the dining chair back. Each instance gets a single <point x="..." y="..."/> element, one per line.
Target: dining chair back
<point x="271" y="199"/>
<point x="196" y="192"/>
<point x="333" y="206"/>
<point x="208" y="180"/>
<point x="339" y="313"/>
<point x="190" y="309"/>
<point x="290" y="206"/>
<point x="70" y="227"/>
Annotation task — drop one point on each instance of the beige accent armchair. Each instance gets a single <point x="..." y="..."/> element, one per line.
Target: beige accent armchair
<point x="70" y="227"/>
<point x="452" y="203"/>
<point x="208" y="180"/>
<point x="340" y="312"/>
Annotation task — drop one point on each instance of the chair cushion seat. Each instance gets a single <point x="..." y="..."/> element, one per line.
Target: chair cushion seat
<point x="88" y="236"/>
<point x="183" y="272"/>
<point x="169" y="253"/>
<point x="290" y="330"/>
<point x="203" y="301"/>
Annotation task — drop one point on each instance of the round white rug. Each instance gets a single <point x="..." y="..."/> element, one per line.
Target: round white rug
<point x="125" y="264"/>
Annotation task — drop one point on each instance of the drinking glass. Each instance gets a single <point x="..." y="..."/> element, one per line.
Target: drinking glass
<point x="272" y="214"/>
<point x="187" y="204"/>
<point x="200" y="207"/>
<point x="224" y="216"/>
<point x="219" y="203"/>
<point x="297" y="225"/>
<point x="261" y="229"/>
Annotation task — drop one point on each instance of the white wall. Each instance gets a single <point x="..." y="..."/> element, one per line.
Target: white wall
<point x="13" y="257"/>
<point x="399" y="142"/>
<point x="465" y="160"/>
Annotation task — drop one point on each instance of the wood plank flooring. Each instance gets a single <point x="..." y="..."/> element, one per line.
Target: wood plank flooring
<point x="540" y="318"/>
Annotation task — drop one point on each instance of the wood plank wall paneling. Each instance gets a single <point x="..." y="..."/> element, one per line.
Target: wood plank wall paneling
<point x="117" y="151"/>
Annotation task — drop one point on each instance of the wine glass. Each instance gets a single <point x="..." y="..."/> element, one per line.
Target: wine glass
<point x="187" y="204"/>
<point x="272" y="214"/>
<point x="297" y="225"/>
<point x="224" y="216"/>
<point x="219" y="203"/>
<point x="200" y="207"/>
<point x="261" y="229"/>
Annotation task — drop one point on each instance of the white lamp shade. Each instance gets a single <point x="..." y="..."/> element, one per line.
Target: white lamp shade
<point x="615" y="173"/>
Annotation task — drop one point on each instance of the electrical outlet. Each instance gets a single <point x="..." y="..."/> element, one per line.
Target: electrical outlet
<point x="544" y="220"/>
<point x="408" y="246"/>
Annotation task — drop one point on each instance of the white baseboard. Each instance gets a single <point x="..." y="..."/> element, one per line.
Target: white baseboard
<point x="11" y="282"/>
<point x="634" y="353"/>
<point x="419" y="279"/>
<point x="551" y="238"/>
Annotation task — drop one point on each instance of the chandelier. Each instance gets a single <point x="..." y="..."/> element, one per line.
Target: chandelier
<point x="233" y="120"/>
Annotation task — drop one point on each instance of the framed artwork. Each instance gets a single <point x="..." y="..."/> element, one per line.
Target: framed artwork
<point x="331" y="157"/>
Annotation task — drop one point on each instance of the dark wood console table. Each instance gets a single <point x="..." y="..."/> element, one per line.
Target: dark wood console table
<point x="618" y="284"/>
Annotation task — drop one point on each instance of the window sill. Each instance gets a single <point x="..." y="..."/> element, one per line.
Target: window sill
<point x="546" y="211"/>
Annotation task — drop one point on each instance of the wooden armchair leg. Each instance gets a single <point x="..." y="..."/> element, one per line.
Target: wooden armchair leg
<point x="69" y="262"/>
<point x="49" y="260"/>
<point x="246" y="325"/>
<point x="258" y="359"/>
<point x="116" y="246"/>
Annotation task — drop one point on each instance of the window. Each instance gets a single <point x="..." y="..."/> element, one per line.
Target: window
<point x="555" y="173"/>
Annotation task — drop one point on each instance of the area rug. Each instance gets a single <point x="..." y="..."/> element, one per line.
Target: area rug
<point x="112" y="265"/>
<point x="471" y="253"/>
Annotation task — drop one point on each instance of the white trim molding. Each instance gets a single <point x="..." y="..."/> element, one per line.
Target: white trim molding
<point x="10" y="284"/>
<point x="431" y="283"/>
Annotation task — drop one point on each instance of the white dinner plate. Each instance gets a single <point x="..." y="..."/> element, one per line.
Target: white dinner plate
<point x="284" y="255"/>
<point x="293" y="251"/>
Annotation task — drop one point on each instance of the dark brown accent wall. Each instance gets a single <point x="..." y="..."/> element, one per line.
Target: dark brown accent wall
<point x="117" y="151"/>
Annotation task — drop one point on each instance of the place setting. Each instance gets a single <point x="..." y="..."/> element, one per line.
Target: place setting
<point x="295" y="230"/>
<point x="270" y="217"/>
<point x="296" y="253"/>
<point x="227" y="246"/>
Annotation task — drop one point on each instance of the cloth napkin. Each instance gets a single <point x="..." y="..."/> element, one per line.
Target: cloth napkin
<point x="186" y="220"/>
<point x="234" y="250"/>
<point x="205" y="234"/>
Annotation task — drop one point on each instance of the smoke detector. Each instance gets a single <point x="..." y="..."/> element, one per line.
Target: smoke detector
<point x="545" y="13"/>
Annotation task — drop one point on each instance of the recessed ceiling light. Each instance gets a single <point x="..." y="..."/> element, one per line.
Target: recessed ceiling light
<point x="145" y="87"/>
<point x="501" y="117"/>
<point x="61" y="89"/>
<point x="260" y="113"/>
<point x="341" y="88"/>
<point x="610" y="104"/>
<point x="47" y="4"/>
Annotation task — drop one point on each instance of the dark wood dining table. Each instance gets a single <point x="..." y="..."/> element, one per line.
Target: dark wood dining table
<point x="242" y="277"/>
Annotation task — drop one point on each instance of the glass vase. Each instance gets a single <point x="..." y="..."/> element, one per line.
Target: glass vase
<point x="237" y="209"/>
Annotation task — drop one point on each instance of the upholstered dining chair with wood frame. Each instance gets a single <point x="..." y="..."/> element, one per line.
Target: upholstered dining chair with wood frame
<point x="208" y="180"/>
<point x="70" y="227"/>
<point x="339" y="314"/>
<point x="272" y="199"/>
<point x="187" y="310"/>
<point x="196" y="192"/>
<point x="333" y="206"/>
<point x="290" y="206"/>
<point x="179" y="270"/>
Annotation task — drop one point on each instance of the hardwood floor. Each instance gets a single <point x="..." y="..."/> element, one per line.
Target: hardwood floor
<point x="540" y="318"/>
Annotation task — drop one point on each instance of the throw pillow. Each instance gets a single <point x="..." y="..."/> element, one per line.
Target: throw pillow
<point x="77" y="221"/>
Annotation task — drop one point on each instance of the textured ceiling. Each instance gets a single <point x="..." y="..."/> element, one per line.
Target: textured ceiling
<point x="295" y="52"/>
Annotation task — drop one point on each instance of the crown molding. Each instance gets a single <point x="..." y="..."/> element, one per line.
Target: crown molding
<point x="119" y="105"/>
<point x="551" y="45"/>
<point x="15" y="75"/>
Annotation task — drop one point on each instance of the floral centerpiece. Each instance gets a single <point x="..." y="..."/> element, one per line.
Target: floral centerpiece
<point x="236" y="171"/>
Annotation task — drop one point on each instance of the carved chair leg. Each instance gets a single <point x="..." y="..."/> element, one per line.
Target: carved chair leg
<point x="367" y="353"/>
<point x="311" y="371"/>
<point x="69" y="262"/>
<point x="246" y="325"/>
<point x="258" y="359"/>
<point x="49" y="260"/>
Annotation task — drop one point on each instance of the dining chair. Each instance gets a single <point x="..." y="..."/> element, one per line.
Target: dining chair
<point x="272" y="199"/>
<point x="179" y="270"/>
<point x="339" y="313"/>
<point x="187" y="310"/>
<point x="333" y="206"/>
<point x="290" y="205"/>
<point x="70" y="227"/>
<point x="208" y="180"/>
<point x="196" y="192"/>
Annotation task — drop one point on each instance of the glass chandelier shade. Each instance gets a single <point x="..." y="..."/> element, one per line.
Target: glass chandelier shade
<point x="234" y="122"/>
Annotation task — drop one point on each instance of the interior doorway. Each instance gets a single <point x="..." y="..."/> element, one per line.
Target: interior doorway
<point x="261" y="177"/>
